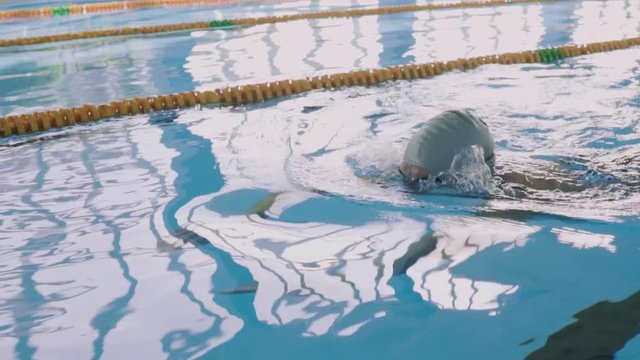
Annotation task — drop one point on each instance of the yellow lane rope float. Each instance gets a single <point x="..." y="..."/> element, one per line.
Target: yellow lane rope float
<point x="247" y="94"/>
<point x="201" y="25"/>
<point x="112" y="6"/>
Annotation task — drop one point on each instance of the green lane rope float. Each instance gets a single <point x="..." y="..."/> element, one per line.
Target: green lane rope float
<point x="201" y="25"/>
<point x="550" y="55"/>
<point x="107" y="7"/>
<point x="221" y="23"/>
<point x="64" y="10"/>
<point x="247" y="94"/>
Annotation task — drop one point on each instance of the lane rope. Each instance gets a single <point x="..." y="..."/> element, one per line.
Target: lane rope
<point x="113" y="6"/>
<point x="248" y="94"/>
<point x="202" y="25"/>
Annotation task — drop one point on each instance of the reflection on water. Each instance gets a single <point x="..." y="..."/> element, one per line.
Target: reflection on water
<point x="458" y="240"/>
<point x="395" y="44"/>
<point x="313" y="270"/>
<point x="284" y="228"/>
<point x="584" y="239"/>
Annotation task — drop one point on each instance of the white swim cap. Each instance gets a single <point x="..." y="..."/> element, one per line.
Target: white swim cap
<point x="435" y="145"/>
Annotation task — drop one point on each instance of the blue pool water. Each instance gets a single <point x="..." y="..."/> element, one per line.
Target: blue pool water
<point x="282" y="230"/>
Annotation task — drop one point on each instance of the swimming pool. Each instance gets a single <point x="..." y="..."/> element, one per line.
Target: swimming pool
<point x="282" y="229"/>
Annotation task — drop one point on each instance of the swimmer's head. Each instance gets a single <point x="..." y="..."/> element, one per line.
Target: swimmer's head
<point x="432" y="149"/>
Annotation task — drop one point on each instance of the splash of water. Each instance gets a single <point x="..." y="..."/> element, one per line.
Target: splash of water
<point x="377" y="161"/>
<point x="467" y="175"/>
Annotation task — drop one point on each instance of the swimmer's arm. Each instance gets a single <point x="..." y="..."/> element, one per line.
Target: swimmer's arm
<point x="540" y="183"/>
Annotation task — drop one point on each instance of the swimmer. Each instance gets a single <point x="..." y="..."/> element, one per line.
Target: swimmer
<point x="432" y="149"/>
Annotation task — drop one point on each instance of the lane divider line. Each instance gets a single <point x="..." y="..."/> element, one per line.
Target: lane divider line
<point x="201" y="25"/>
<point x="112" y="6"/>
<point x="247" y="94"/>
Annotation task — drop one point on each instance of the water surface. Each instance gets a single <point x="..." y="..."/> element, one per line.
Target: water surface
<point x="283" y="229"/>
